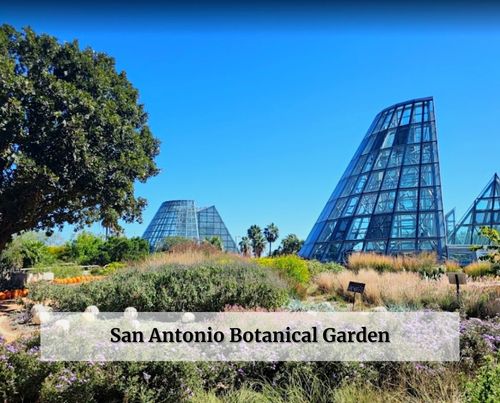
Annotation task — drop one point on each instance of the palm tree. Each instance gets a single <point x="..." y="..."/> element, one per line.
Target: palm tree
<point x="258" y="245"/>
<point x="257" y="239"/>
<point x="272" y="233"/>
<point x="245" y="245"/>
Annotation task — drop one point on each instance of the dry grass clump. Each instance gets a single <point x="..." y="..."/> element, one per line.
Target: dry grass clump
<point x="478" y="269"/>
<point x="408" y="288"/>
<point x="384" y="263"/>
<point x="452" y="266"/>
<point x="386" y="288"/>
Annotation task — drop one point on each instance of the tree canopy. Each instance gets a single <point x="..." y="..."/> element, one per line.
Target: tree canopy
<point x="73" y="137"/>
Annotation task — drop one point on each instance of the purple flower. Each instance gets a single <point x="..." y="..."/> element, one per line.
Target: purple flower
<point x="11" y="348"/>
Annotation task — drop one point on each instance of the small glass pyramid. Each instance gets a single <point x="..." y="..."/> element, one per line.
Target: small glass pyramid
<point x="485" y="211"/>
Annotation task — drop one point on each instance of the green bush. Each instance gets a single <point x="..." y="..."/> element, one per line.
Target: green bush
<point x="315" y="267"/>
<point x="485" y="388"/>
<point x="294" y="267"/>
<point x="203" y="288"/>
<point x="89" y="249"/>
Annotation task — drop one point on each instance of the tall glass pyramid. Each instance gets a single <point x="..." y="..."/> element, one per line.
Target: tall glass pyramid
<point x="210" y="224"/>
<point x="485" y="211"/>
<point x="389" y="197"/>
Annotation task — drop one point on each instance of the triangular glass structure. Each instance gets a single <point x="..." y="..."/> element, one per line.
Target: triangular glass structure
<point x="389" y="198"/>
<point x="210" y="224"/>
<point x="450" y="221"/>
<point x="484" y="212"/>
<point x="173" y="218"/>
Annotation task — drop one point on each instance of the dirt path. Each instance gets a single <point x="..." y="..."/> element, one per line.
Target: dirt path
<point x="7" y="308"/>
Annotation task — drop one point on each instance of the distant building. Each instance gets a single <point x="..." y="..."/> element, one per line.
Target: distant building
<point x="484" y="212"/>
<point x="182" y="218"/>
<point x="389" y="197"/>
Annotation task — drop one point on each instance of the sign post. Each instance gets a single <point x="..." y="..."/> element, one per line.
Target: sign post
<point x="457" y="279"/>
<point x="355" y="287"/>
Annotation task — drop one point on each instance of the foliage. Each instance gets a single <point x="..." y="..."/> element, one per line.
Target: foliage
<point x="271" y="233"/>
<point x="493" y="236"/>
<point x="215" y="241"/>
<point x="479" y="269"/>
<point x="485" y="387"/>
<point x="169" y="243"/>
<point x="294" y="267"/>
<point x="205" y="287"/>
<point x="290" y="245"/>
<point x="315" y="267"/>
<point x="73" y="137"/>
<point x="89" y="249"/>
<point x="245" y="246"/>
<point x="257" y="239"/>
<point x="26" y="250"/>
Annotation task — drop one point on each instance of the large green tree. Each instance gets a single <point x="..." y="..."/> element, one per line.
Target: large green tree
<point x="73" y="137"/>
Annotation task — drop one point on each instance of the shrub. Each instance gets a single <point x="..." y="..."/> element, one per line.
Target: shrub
<point x="294" y="267"/>
<point x="315" y="267"/>
<point x="203" y="288"/>
<point x="478" y="269"/>
<point x="485" y="388"/>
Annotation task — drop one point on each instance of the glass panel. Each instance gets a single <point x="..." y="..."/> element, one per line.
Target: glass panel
<point x="409" y="177"/>
<point x="375" y="246"/>
<point x="427" y="199"/>
<point x="391" y="179"/>
<point x="389" y="139"/>
<point x="368" y="145"/>
<point x="482" y="218"/>
<point x="351" y="206"/>
<point x="332" y="252"/>
<point x="396" y="117"/>
<point x="327" y="231"/>
<point x="428" y="244"/>
<point x="417" y="113"/>
<point x="412" y="155"/>
<point x="387" y="119"/>
<point x="428" y="133"/>
<point x="375" y="181"/>
<point x="427" y="225"/>
<point x="404" y="226"/>
<point x="360" y="184"/>
<point x="366" y="204"/>
<point x="349" y="186"/>
<point x="369" y="162"/>
<point x="427" y="175"/>
<point x="407" y="200"/>
<point x="318" y="251"/>
<point x="380" y="227"/>
<point x="396" y="157"/>
<point x="427" y="153"/>
<point x="341" y="231"/>
<point x="484" y="204"/>
<point x="401" y="246"/>
<point x="385" y="202"/>
<point x="359" y="165"/>
<point x="415" y="135"/>
<point x="337" y="210"/>
<point x="359" y="228"/>
<point x="406" y="115"/>
<point x="382" y="159"/>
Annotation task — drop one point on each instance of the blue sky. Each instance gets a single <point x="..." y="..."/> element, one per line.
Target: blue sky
<point x="262" y="119"/>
